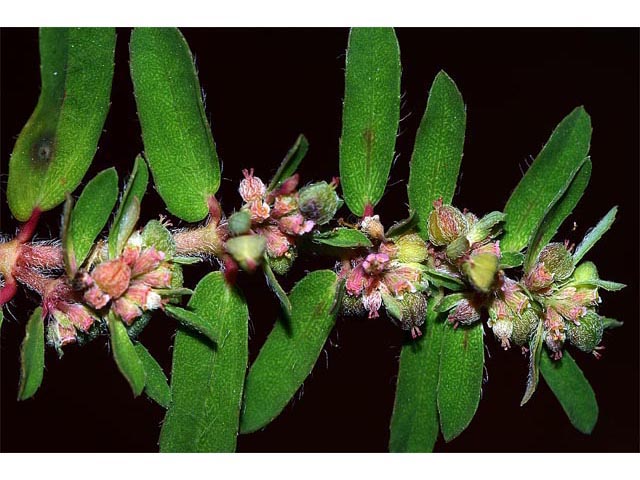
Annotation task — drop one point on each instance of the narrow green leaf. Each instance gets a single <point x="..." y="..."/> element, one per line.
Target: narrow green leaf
<point x="608" y="323"/>
<point x="437" y="153"/>
<point x="443" y="279"/>
<point x="156" y="386"/>
<point x="535" y="352"/>
<point x="291" y="350"/>
<point x="597" y="282"/>
<point x="370" y="115"/>
<point x="207" y="380"/>
<point x="414" y="423"/>
<point x="125" y="355"/>
<point x="343" y="238"/>
<point x="571" y="388"/>
<point x="194" y="322"/>
<point x="557" y="213"/>
<point x="547" y="178"/>
<point x="403" y="226"/>
<point x="448" y="302"/>
<point x="91" y="213"/>
<point x="58" y="142"/>
<point x="511" y="260"/>
<point x="291" y="162"/>
<point x="177" y="139"/>
<point x="129" y="209"/>
<point x="32" y="356"/>
<point x="276" y="288"/>
<point x="595" y="234"/>
<point x="460" y="382"/>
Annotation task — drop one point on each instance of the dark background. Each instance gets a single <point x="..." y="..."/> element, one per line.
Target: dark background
<point x="264" y="86"/>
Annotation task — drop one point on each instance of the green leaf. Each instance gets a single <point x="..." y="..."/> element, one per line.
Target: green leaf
<point x="32" y="356"/>
<point x="276" y="288"/>
<point x="370" y="115"/>
<point x="414" y="423"/>
<point x="194" y="322"/>
<point x="511" y="260"/>
<point x="608" y="323"/>
<point x="571" y="388"/>
<point x="460" y="382"/>
<point x="156" y="386"/>
<point x="403" y="226"/>
<point x="129" y="210"/>
<point x="155" y="234"/>
<point x="343" y="238"/>
<point x="557" y="213"/>
<point x="58" y="142"/>
<point x="291" y="350"/>
<point x="125" y="355"/>
<point x="597" y="282"/>
<point x="535" y="352"/>
<point x="177" y="139"/>
<point x="591" y="238"/>
<point x="290" y="163"/>
<point x="548" y="177"/>
<point x="437" y="153"/>
<point x="448" y="302"/>
<point x="89" y="216"/>
<point x="207" y="380"/>
<point x="443" y="279"/>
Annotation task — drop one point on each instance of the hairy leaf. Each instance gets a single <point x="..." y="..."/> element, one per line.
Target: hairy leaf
<point x="156" y="386"/>
<point x="595" y="234"/>
<point x="125" y="355"/>
<point x="437" y="153"/>
<point x="511" y="260"/>
<point x="370" y="115"/>
<point x="290" y="163"/>
<point x="194" y="322"/>
<point x="32" y="356"/>
<point x="535" y="352"/>
<point x="276" y="288"/>
<point x="177" y="139"/>
<point x="343" y="238"/>
<point x="58" y="142"/>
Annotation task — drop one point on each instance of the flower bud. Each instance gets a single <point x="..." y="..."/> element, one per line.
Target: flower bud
<point x="247" y="250"/>
<point x="240" y="222"/>
<point x="319" y="202"/>
<point x="372" y="227"/>
<point x="445" y="224"/>
<point x="481" y="266"/>
<point x="557" y="261"/>
<point x="251" y="188"/>
<point x="503" y="330"/>
<point x="538" y="278"/>
<point x="282" y="265"/>
<point x="584" y="272"/>
<point x="524" y="326"/>
<point x="112" y="277"/>
<point x="411" y="248"/>
<point x="588" y="334"/>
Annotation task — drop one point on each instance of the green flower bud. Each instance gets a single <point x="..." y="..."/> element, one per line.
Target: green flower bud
<point x="240" y="222"/>
<point x="523" y="327"/>
<point x="445" y="224"/>
<point x="585" y="271"/>
<point x="282" y="265"/>
<point x="319" y="202"/>
<point x="411" y="248"/>
<point x="557" y="261"/>
<point x="247" y="250"/>
<point x="588" y="335"/>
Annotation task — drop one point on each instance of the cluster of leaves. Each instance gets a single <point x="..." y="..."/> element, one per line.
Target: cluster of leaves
<point x="109" y="286"/>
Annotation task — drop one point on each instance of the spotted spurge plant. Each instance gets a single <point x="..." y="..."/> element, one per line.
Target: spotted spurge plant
<point x="445" y="276"/>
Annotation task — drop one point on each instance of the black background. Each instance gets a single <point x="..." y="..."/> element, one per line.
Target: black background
<point x="264" y="86"/>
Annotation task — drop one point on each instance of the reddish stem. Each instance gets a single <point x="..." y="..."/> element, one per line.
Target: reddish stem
<point x="8" y="291"/>
<point x="368" y="211"/>
<point x="29" y="227"/>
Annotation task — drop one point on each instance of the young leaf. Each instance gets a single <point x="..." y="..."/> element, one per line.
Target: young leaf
<point x="437" y="153"/>
<point x="461" y="368"/>
<point x="440" y="278"/>
<point x="595" y="234"/>
<point x="32" y="356"/>
<point x="194" y="322"/>
<point x="291" y="162"/>
<point x="547" y="178"/>
<point x="402" y="226"/>
<point x="156" y="386"/>
<point x="571" y="388"/>
<point x="511" y="260"/>
<point x="177" y="139"/>
<point x="125" y="355"/>
<point x="90" y="215"/>
<point x="608" y="323"/>
<point x="370" y="115"/>
<point x="557" y="213"/>
<point x="275" y="287"/>
<point x="605" y="284"/>
<point x="58" y="142"/>
<point x="291" y="350"/>
<point x="448" y="302"/>
<point x="343" y="238"/>
<point x="207" y="380"/>
<point x="535" y="352"/>
<point x="414" y="423"/>
<point x="128" y="211"/>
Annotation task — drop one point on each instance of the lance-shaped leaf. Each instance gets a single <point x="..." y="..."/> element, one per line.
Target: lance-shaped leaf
<point x="290" y="163"/>
<point x="276" y="288"/>
<point x="125" y="355"/>
<point x="595" y="234"/>
<point x="32" y="356"/>
<point x="437" y="153"/>
<point x="291" y="350"/>
<point x="207" y="380"/>
<point x="88" y="217"/>
<point x="343" y="238"/>
<point x="370" y="115"/>
<point x="608" y="323"/>
<point x="548" y="177"/>
<point x="129" y="210"/>
<point x="177" y="139"/>
<point x="571" y="388"/>
<point x="193" y="321"/>
<point x="156" y="386"/>
<point x="535" y="352"/>
<point x="557" y="213"/>
<point x="414" y="424"/>
<point x="460" y="382"/>
<point x="58" y="142"/>
<point x="511" y="260"/>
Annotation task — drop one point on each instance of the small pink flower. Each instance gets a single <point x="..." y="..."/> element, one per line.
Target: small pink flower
<point x="295" y="224"/>
<point x="259" y="210"/>
<point x="160" y="277"/>
<point x="375" y="263"/>
<point x="251" y="188"/>
<point x="112" y="277"/>
<point x="277" y="242"/>
<point x="96" y="297"/>
<point x="465" y="313"/>
<point x="372" y="302"/>
<point x="356" y="280"/>
<point x="78" y="315"/>
<point x="401" y="278"/>
<point x="127" y="310"/>
<point x="538" y="278"/>
<point x="284" y="205"/>
<point x="148" y="260"/>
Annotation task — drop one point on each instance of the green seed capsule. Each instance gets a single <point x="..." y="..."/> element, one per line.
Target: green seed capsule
<point x="588" y="335"/>
<point x="247" y="250"/>
<point x="281" y="265"/>
<point x="240" y="222"/>
<point x="557" y="261"/>
<point x="319" y="202"/>
<point x="523" y="327"/>
<point x="445" y="224"/>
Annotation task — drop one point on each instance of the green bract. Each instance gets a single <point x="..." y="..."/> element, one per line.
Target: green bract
<point x="32" y="356"/>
